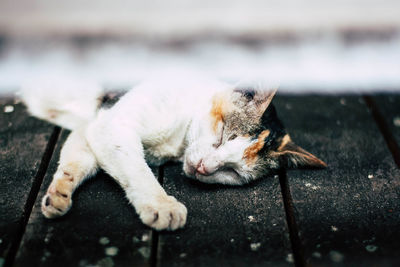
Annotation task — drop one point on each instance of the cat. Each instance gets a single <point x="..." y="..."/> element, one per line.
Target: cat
<point x="222" y="133"/>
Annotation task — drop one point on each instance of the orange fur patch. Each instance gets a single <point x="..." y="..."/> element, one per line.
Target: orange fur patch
<point x="219" y="106"/>
<point x="285" y="140"/>
<point x="250" y="154"/>
<point x="63" y="187"/>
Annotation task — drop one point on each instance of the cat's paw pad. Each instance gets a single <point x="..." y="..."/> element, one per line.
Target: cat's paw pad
<point x="167" y="214"/>
<point x="57" y="200"/>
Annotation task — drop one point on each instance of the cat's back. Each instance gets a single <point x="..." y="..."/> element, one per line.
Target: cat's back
<point x="163" y="106"/>
<point x="166" y="99"/>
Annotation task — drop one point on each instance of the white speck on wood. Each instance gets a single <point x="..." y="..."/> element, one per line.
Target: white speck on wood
<point x="8" y="109"/>
<point x="145" y="252"/>
<point x="336" y="256"/>
<point x="334" y="228"/>
<point x="104" y="241"/>
<point x="317" y="255"/>
<point x="182" y="255"/>
<point x="396" y="121"/>
<point x="111" y="251"/>
<point x="371" y="248"/>
<point x="145" y="237"/>
<point x="289" y="258"/>
<point x="255" y="246"/>
<point x="251" y="218"/>
<point x="370" y="176"/>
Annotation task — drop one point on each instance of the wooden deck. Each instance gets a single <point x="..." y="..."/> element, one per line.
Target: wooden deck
<point x="345" y="215"/>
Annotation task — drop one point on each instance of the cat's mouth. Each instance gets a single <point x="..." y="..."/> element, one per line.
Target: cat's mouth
<point x="221" y="176"/>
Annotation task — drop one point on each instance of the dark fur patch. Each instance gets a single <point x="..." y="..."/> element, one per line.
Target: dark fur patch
<point x="110" y="99"/>
<point x="249" y="93"/>
<point x="270" y="121"/>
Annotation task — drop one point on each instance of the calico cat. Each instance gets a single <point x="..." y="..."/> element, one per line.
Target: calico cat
<point x="222" y="134"/>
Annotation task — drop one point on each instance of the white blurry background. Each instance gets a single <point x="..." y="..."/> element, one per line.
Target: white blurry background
<point x="307" y="45"/>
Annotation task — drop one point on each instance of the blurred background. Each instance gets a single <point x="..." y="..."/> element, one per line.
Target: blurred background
<point x="306" y="45"/>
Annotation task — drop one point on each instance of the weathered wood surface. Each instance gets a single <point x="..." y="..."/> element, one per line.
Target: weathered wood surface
<point x="227" y="226"/>
<point x="389" y="105"/>
<point x="348" y="214"/>
<point x="389" y="108"/>
<point x="101" y="229"/>
<point x="23" y="142"/>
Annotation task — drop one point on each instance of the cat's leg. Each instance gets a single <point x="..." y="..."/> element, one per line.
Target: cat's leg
<point x="119" y="152"/>
<point x="77" y="162"/>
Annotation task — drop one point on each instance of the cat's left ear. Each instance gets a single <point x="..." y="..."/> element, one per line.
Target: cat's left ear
<point x="259" y="97"/>
<point x="292" y="156"/>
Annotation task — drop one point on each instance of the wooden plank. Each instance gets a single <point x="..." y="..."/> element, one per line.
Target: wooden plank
<point x="349" y="213"/>
<point x="227" y="226"/>
<point x="23" y="142"/>
<point x="101" y="229"/>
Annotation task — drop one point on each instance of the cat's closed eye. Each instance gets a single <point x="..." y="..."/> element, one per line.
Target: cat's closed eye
<point x="219" y="142"/>
<point x="232" y="137"/>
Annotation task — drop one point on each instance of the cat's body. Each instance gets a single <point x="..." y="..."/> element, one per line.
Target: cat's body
<point x="221" y="134"/>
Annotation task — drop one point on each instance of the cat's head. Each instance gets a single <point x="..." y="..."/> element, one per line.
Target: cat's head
<point x="240" y="139"/>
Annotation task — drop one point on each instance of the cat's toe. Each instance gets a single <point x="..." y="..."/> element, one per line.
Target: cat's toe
<point x="168" y="214"/>
<point x="55" y="205"/>
<point x="57" y="200"/>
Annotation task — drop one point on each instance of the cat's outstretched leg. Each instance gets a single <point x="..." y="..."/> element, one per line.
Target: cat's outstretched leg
<point x="77" y="162"/>
<point x="119" y="152"/>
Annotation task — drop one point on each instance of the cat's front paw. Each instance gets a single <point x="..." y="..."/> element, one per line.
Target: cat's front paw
<point x="57" y="200"/>
<point x="166" y="214"/>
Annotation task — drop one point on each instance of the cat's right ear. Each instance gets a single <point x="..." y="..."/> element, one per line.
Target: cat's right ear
<point x="260" y="98"/>
<point x="292" y="156"/>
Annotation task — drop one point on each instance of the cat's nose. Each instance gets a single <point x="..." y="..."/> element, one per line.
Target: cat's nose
<point x="201" y="168"/>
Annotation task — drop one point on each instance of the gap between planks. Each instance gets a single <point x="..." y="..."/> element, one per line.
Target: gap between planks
<point x="297" y="248"/>
<point x="154" y="259"/>
<point x="383" y="128"/>
<point x="37" y="182"/>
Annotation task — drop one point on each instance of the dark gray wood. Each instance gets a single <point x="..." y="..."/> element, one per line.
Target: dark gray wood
<point x="101" y="222"/>
<point x="389" y="107"/>
<point x="349" y="213"/>
<point x="23" y="142"/>
<point x="227" y="226"/>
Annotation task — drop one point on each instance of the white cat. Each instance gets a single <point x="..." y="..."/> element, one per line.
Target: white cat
<point x="221" y="133"/>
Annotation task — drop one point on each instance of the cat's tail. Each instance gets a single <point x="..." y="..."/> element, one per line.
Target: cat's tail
<point x="68" y="104"/>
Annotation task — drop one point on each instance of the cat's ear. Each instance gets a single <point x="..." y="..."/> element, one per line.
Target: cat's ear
<point x="292" y="156"/>
<point x="259" y="97"/>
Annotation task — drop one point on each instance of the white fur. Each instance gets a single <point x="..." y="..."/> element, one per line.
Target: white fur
<point x="154" y="122"/>
<point x="68" y="103"/>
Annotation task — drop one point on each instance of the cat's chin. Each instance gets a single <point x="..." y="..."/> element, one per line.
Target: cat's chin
<point x="226" y="176"/>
